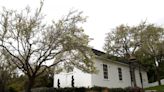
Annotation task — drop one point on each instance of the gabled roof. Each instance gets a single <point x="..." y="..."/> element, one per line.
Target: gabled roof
<point x="115" y="58"/>
<point x="111" y="57"/>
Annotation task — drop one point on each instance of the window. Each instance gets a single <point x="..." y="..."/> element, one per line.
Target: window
<point x="120" y="73"/>
<point x="105" y="71"/>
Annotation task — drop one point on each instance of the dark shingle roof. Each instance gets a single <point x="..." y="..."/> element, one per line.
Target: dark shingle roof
<point x="115" y="58"/>
<point x="111" y="57"/>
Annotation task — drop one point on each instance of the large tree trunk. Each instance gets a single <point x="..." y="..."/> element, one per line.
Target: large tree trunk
<point x="30" y="84"/>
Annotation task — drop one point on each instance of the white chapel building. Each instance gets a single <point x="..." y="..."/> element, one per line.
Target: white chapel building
<point x="111" y="74"/>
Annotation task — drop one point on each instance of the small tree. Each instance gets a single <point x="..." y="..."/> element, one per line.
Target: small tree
<point x="31" y="44"/>
<point x="72" y="81"/>
<point x="58" y="83"/>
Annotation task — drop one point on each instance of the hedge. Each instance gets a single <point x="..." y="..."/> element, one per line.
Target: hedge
<point x="82" y="89"/>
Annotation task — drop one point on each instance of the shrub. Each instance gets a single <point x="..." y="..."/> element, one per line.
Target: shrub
<point x="97" y="89"/>
<point x="117" y="90"/>
<point x="44" y="89"/>
<point x="72" y="82"/>
<point x="135" y="89"/>
<point x="58" y="83"/>
<point x="82" y="89"/>
<point x="11" y="89"/>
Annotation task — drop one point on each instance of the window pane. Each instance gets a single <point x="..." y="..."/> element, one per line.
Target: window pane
<point x="120" y="73"/>
<point x="105" y="71"/>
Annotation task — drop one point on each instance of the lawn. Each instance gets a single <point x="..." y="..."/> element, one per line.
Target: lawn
<point x="158" y="88"/>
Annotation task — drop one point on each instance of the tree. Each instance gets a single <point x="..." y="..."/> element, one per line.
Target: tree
<point x="152" y="45"/>
<point x="31" y="44"/>
<point x="143" y="42"/>
<point x="72" y="81"/>
<point x="58" y="83"/>
<point x="7" y="71"/>
<point x="123" y="42"/>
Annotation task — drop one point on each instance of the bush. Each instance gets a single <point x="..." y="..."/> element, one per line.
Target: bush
<point x="136" y="89"/>
<point x="117" y="90"/>
<point x="11" y="89"/>
<point x="96" y="89"/>
<point x="82" y="89"/>
<point x="43" y="89"/>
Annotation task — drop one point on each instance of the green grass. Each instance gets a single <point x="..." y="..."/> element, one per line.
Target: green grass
<point x="158" y="88"/>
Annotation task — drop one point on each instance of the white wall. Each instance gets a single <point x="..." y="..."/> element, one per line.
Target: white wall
<point x="65" y="79"/>
<point x="81" y="79"/>
<point x="113" y="80"/>
<point x="89" y="80"/>
<point x="144" y="78"/>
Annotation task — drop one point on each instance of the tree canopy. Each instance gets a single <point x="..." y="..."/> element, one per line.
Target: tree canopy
<point x="30" y="43"/>
<point x="124" y="40"/>
<point x="143" y="42"/>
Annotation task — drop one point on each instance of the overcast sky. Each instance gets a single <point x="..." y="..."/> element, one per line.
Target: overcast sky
<point x="103" y="15"/>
